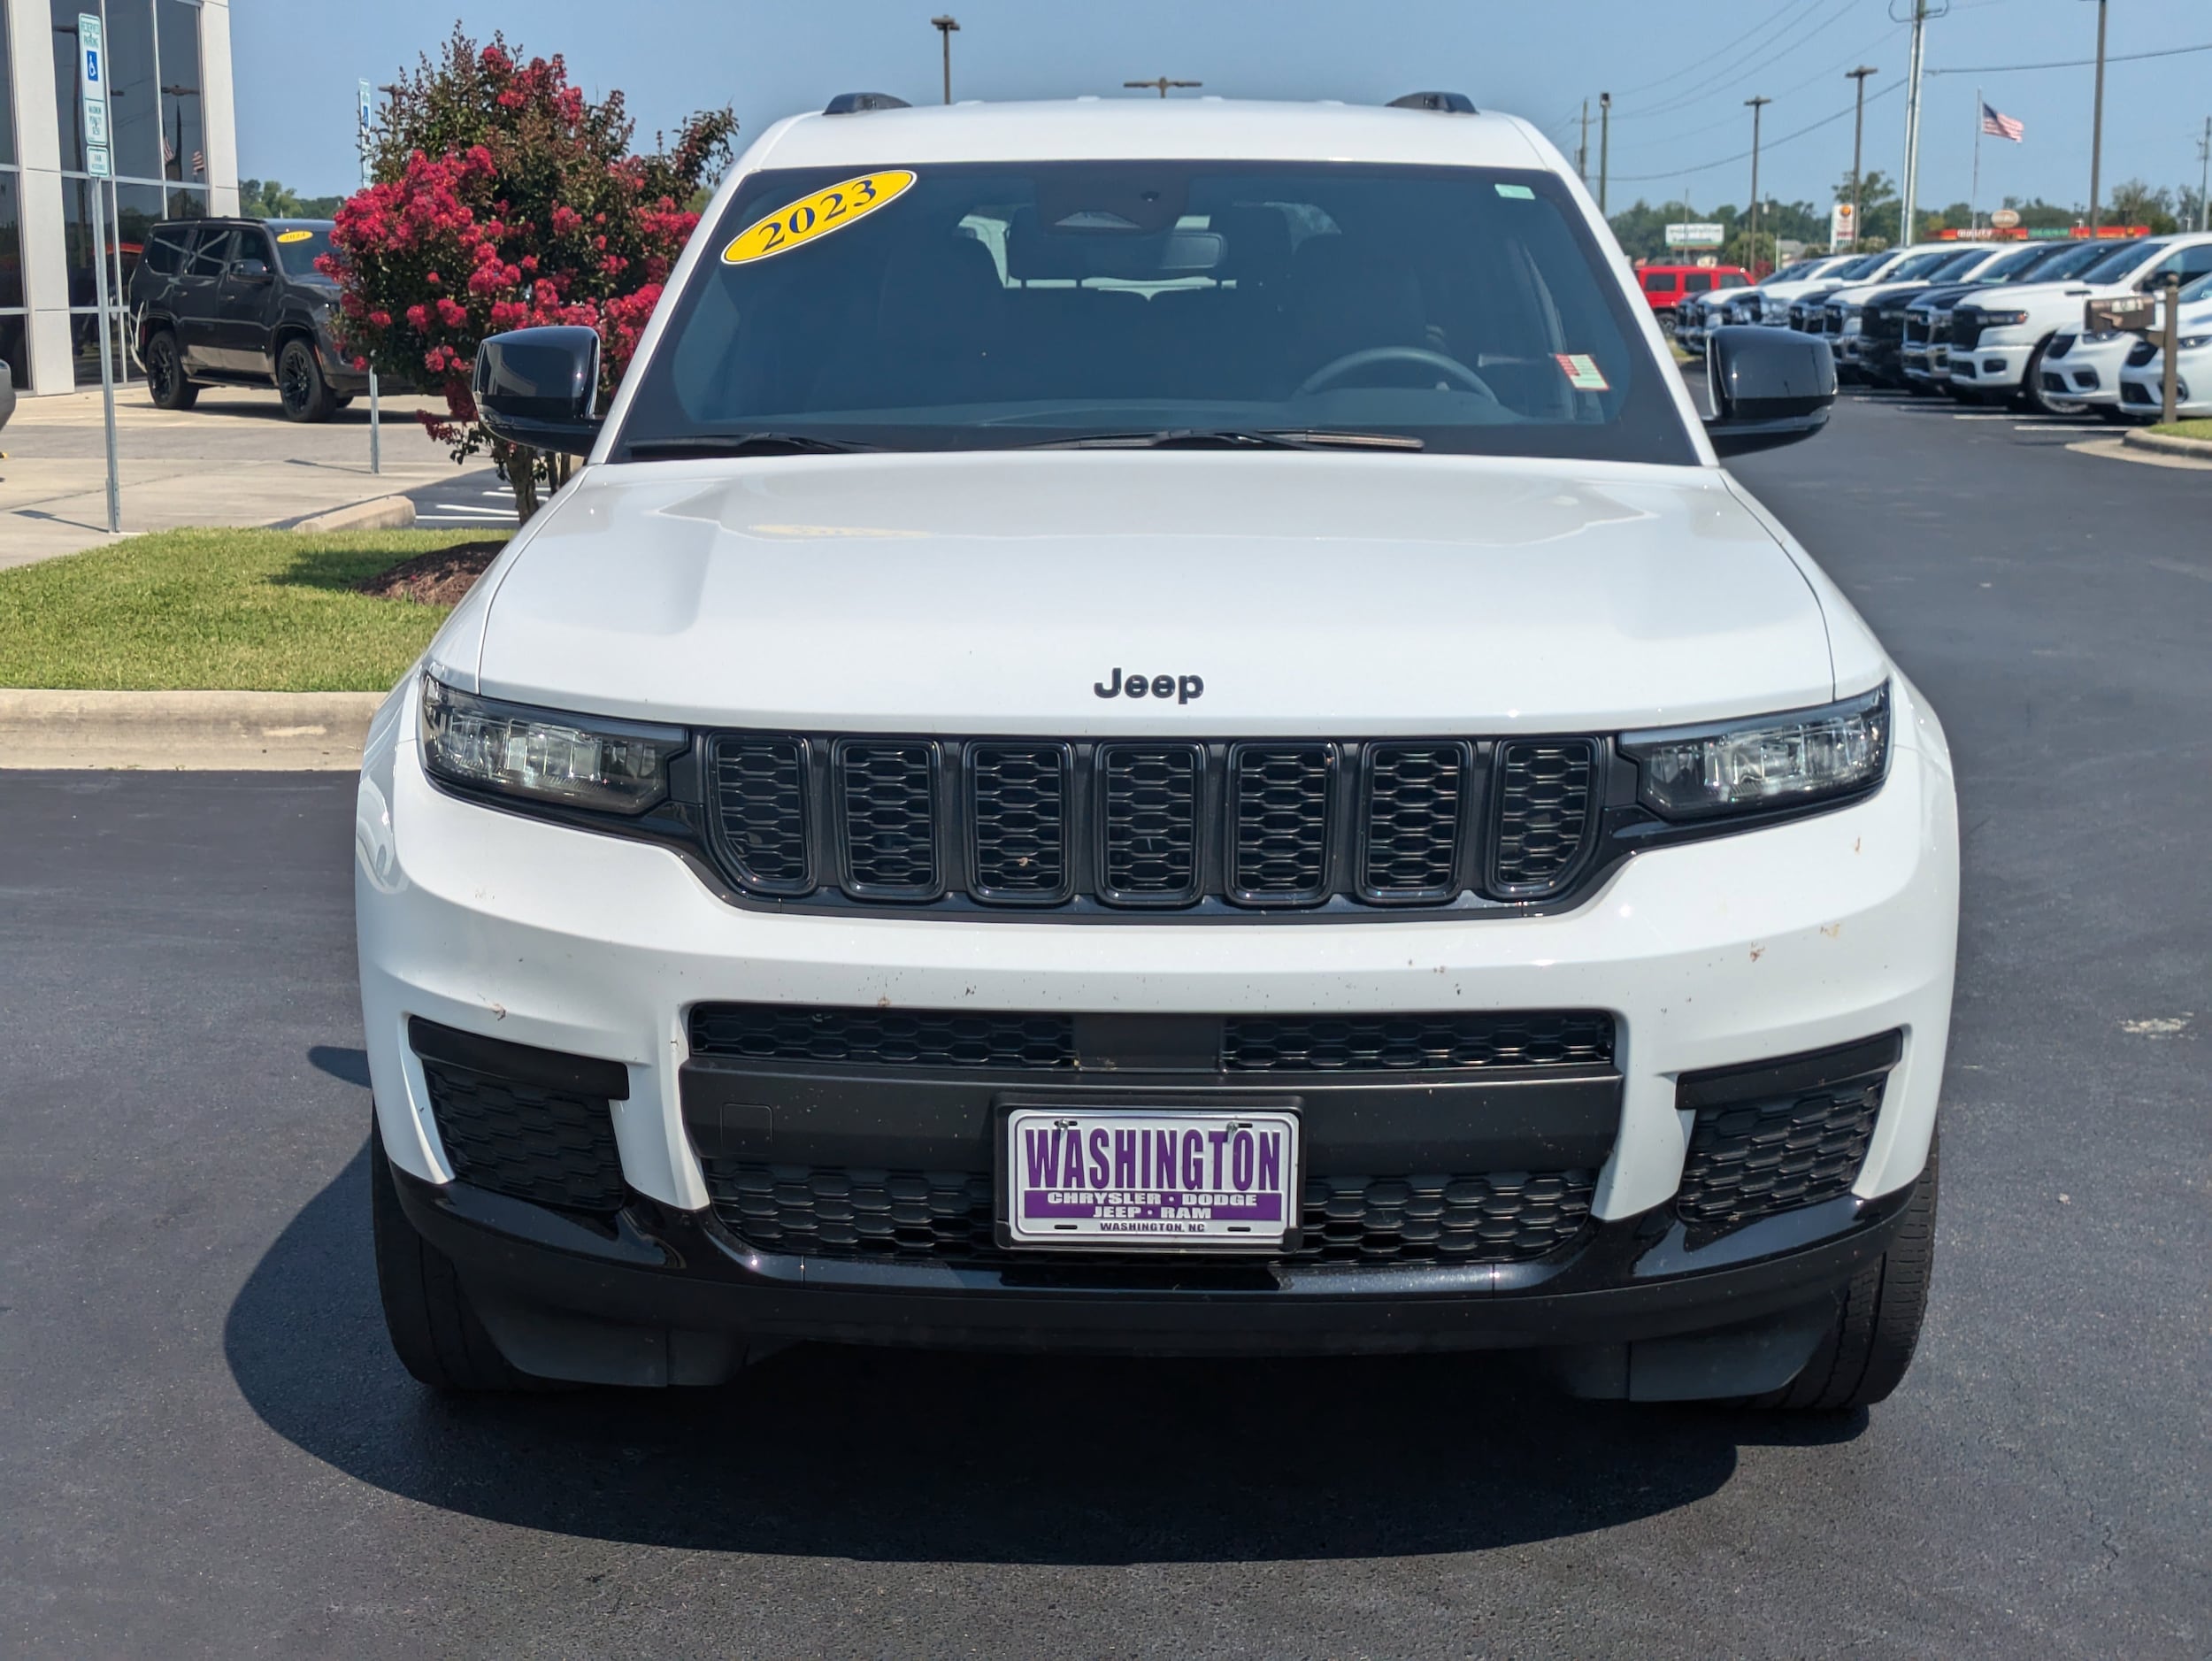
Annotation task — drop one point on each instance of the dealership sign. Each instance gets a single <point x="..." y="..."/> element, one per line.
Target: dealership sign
<point x="1700" y="235"/>
<point x="1843" y="225"/>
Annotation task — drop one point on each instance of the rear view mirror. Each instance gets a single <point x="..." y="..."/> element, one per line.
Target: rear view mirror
<point x="1769" y="387"/>
<point x="537" y="388"/>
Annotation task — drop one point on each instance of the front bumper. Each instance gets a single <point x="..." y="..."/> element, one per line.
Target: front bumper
<point x="672" y="1298"/>
<point x="1799" y="937"/>
<point x="1990" y="366"/>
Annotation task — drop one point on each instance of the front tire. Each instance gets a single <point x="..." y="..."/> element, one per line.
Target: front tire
<point x="433" y="1328"/>
<point x="1865" y="1353"/>
<point x="2034" y="397"/>
<point x="301" y="387"/>
<point x="165" y="382"/>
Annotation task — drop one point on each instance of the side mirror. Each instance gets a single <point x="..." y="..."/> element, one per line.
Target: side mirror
<point x="1769" y="387"/>
<point x="537" y="387"/>
<point x="250" y="270"/>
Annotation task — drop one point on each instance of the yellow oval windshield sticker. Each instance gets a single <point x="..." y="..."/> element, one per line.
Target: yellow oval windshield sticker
<point x="295" y="236"/>
<point x="812" y="216"/>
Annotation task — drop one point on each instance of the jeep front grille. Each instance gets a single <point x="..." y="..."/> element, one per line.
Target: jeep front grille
<point x="1006" y="825"/>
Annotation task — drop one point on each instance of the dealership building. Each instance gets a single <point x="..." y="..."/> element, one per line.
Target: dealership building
<point x="174" y="142"/>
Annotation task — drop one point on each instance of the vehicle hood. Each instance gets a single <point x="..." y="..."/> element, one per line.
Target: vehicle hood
<point x="2026" y="296"/>
<point x="1947" y="293"/>
<point x="995" y="591"/>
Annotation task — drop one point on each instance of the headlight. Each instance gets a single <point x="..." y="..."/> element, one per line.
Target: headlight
<point x="546" y="754"/>
<point x="1775" y="761"/>
<point x="2190" y="342"/>
<point x="2003" y="320"/>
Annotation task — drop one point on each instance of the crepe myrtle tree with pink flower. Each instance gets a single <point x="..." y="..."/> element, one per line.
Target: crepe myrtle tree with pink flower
<point x="503" y="198"/>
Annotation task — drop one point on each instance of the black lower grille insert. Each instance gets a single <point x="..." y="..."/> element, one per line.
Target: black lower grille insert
<point x="1779" y="1135"/>
<point x="1543" y="814"/>
<point x="1149" y="804"/>
<point x="1393" y="1043"/>
<point x="548" y="1146"/>
<point x="883" y="1038"/>
<point x="888" y="813"/>
<point x="919" y="1216"/>
<point x="1280" y="828"/>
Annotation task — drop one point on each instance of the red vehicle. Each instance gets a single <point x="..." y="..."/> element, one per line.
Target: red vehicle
<point x="1664" y="285"/>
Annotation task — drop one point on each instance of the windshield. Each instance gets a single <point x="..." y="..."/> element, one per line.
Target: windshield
<point x="1864" y="265"/>
<point x="2021" y="261"/>
<point x="300" y="242"/>
<point x="1791" y="273"/>
<point x="1003" y="304"/>
<point x="1922" y="265"/>
<point x="2119" y="264"/>
<point x="1959" y="265"/>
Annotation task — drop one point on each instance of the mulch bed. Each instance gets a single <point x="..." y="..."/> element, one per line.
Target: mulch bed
<point x="439" y="578"/>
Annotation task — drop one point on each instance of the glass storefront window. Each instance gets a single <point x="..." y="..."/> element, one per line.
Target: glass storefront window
<point x="11" y="239"/>
<point x="183" y="133"/>
<point x="12" y="343"/>
<point x="138" y="209"/>
<point x="186" y="203"/>
<point x="68" y="104"/>
<point x="84" y="346"/>
<point x="7" y="96"/>
<point x="133" y="89"/>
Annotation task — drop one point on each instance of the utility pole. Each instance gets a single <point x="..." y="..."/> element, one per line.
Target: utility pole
<point x="1757" y="106"/>
<point x="1911" y="204"/>
<point x="2096" y="129"/>
<point x="1858" y="143"/>
<point x="1605" y="147"/>
<point x="947" y="28"/>
<point x="1160" y="83"/>
<point x="2204" y="178"/>
<point x="1582" y="150"/>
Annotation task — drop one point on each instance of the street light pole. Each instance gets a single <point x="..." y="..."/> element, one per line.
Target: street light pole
<point x="1582" y="151"/>
<point x="2204" y="178"/>
<point x="1908" y="209"/>
<point x="1160" y="83"/>
<point x="1757" y="106"/>
<point x="1858" y="144"/>
<point x="1605" y="146"/>
<point x="2096" y="128"/>
<point x="947" y="28"/>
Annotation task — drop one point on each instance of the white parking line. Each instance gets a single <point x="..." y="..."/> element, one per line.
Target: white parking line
<point x="2056" y="426"/>
<point x="473" y="511"/>
<point x="1987" y="416"/>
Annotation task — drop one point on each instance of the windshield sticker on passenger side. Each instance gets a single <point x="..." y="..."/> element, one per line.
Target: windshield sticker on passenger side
<point x="1517" y="193"/>
<point x="811" y="218"/>
<point x="295" y="236"/>
<point x="1582" y="373"/>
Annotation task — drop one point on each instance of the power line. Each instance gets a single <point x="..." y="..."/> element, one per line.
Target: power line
<point x="1779" y="19"/>
<point x="1741" y="68"/>
<point x="2073" y="63"/>
<point x="1822" y="73"/>
<point x="1773" y="143"/>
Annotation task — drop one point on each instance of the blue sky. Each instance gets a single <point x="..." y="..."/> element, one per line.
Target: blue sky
<point x="1677" y="101"/>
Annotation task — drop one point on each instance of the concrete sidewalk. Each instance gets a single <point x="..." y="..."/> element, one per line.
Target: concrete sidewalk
<point x="232" y="460"/>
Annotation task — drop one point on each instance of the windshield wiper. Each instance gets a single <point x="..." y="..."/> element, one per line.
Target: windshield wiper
<point x="741" y="445"/>
<point x="1235" y="438"/>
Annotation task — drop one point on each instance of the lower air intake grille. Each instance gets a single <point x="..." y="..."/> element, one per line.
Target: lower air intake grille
<point x="546" y="1146"/>
<point x="1502" y="1217"/>
<point x="1506" y="1217"/>
<point x="1776" y="1138"/>
<point x="1391" y="1043"/>
<point x="883" y="1038"/>
<point x="1543" y="817"/>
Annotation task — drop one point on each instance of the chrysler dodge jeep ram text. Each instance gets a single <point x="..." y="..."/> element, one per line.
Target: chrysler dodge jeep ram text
<point x="1155" y="728"/>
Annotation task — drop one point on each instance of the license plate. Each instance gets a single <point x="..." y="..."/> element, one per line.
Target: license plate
<point x="1124" y="1178"/>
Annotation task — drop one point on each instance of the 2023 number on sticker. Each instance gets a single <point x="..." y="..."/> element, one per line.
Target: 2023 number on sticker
<point x="811" y="218"/>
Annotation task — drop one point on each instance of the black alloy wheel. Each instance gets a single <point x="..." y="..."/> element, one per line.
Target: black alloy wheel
<point x="300" y="384"/>
<point x="165" y="380"/>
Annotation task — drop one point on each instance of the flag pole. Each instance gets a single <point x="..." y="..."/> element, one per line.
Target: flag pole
<point x="1974" y="196"/>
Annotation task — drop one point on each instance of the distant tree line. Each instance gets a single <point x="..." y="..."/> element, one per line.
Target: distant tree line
<point x="267" y="199"/>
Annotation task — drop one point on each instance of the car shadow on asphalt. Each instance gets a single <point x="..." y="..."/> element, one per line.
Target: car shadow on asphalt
<point x="915" y="1456"/>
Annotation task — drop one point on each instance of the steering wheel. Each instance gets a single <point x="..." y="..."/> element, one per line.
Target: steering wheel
<point x="1331" y="372"/>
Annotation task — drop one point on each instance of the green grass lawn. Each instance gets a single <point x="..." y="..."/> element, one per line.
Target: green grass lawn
<point x="2187" y="429"/>
<point x="235" y="610"/>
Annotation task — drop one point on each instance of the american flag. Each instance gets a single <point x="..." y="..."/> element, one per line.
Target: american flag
<point x="1998" y="126"/>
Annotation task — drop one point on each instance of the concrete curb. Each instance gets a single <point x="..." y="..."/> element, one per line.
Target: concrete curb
<point x="380" y="513"/>
<point x="246" y="732"/>
<point x="2166" y="444"/>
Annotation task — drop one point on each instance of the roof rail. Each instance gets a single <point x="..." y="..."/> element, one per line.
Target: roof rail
<point x="860" y="102"/>
<point x="1442" y="102"/>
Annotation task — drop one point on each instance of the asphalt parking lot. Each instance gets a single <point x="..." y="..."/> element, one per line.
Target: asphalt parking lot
<point x="208" y="1445"/>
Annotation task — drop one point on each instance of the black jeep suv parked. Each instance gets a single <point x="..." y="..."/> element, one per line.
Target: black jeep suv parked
<point x="240" y="301"/>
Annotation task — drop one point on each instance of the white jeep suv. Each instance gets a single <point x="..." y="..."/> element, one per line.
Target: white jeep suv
<point x="1155" y="728"/>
